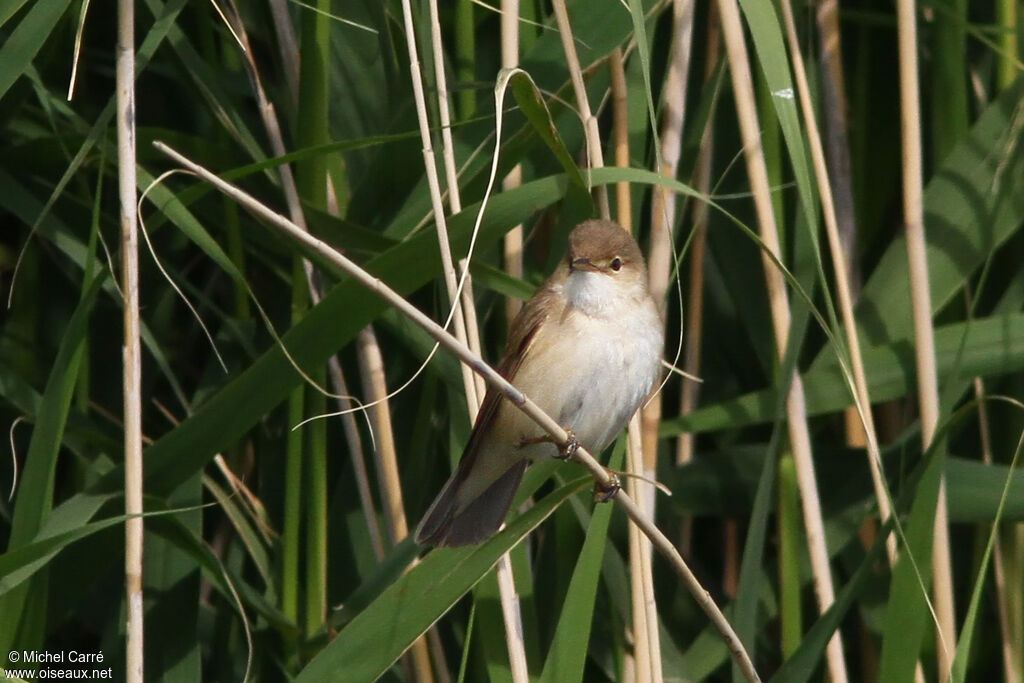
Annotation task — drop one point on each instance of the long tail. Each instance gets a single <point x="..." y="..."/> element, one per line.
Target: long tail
<point x="449" y="524"/>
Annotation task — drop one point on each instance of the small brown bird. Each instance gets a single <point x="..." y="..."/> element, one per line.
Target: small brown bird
<point x="587" y="349"/>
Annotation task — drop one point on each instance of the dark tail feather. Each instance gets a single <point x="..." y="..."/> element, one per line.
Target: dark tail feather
<point x="443" y="525"/>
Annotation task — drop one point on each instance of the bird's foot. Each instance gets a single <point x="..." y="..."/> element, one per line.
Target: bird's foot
<point x="565" y="450"/>
<point x="568" y="449"/>
<point x="605" y="491"/>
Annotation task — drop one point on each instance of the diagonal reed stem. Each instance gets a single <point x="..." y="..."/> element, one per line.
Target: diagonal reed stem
<point x="516" y="397"/>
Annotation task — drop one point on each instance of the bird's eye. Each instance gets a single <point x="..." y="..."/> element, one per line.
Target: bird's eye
<point x="616" y="264"/>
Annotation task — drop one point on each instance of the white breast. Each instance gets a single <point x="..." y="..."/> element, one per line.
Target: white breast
<point x="592" y="367"/>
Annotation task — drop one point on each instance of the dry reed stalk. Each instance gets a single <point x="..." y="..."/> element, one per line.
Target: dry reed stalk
<point x="840" y="176"/>
<point x="510" y="610"/>
<point x="355" y="448"/>
<point x="132" y="351"/>
<point x="1010" y="673"/>
<point x="837" y="155"/>
<point x="694" y="310"/>
<point x="437" y="203"/>
<point x="641" y="655"/>
<point x="418" y="662"/>
<point x="924" y="338"/>
<point x="472" y="333"/>
<point x="513" y="618"/>
<point x="451" y="172"/>
<point x="272" y="127"/>
<point x="647" y="650"/>
<point x="840" y="258"/>
<point x="638" y="665"/>
<point x="620" y="134"/>
<point x="516" y="397"/>
<point x="595" y="155"/>
<point x="663" y="206"/>
<point x="454" y="196"/>
<point x="513" y="242"/>
<point x="371" y="369"/>
<point x="643" y="645"/>
<point x="647" y="605"/>
<point x="694" y="313"/>
<point x="796" y="412"/>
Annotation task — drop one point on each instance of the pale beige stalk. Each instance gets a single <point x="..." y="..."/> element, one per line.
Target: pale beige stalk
<point x="513" y="618"/>
<point x="371" y="370"/>
<point x="418" y="661"/>
<point x="694" y="311"/>
<point x="131" y="350"/>
<point x="1015" y="608"/>
<point x="640" y="657"/>
<point x="620" y="134"/>
<point x="513" y="242"/>
<point x="272" y="127"/>
<point x="694" y="317"/>
<point x="1010" y="672"/>
<point x="641" y="654"/>
<point x="924" y="339"/>
<point x="595" y="155"/>
<point x="510" y="610"/>
<point x="454" y="196"/>
<point x="437" y="203"/>
<point x="645" y="610"/>
<point x="647" y="649"/>
<point x="663" y="205"/>
<point x="637" y="665"/>
<point x="841" y="272"/>
<point x="516" y="397"/>
<point x="796" y="413"/>
<point x="837" y="150"/>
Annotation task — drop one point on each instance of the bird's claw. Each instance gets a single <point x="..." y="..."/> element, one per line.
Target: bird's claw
<point x="605" y="491"/>
<point x="565" y="450"/>
<point x="568" y="449"/>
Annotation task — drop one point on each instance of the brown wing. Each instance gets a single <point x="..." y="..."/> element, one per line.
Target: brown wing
<point x="444" y="524"/>
<point x="522" y="333"/>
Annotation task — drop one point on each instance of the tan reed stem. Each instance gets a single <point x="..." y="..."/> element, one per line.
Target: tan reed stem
<point x="924" y="336"/>
<point x="437" y="203"/>
<point x="595" y="155"/>
<point x="841" y="272"/>
<point x="510" y="610"/>
<point x="796" y="413"/>
<point x="694" y="311"/>
<point x="131" y="350"/>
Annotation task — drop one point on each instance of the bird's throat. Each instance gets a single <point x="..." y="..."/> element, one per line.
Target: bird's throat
<point x="598" y="294"/>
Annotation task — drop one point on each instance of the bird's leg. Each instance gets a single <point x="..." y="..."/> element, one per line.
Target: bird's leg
<point x="565" y="450"/>
<point x="603" y="492"/>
